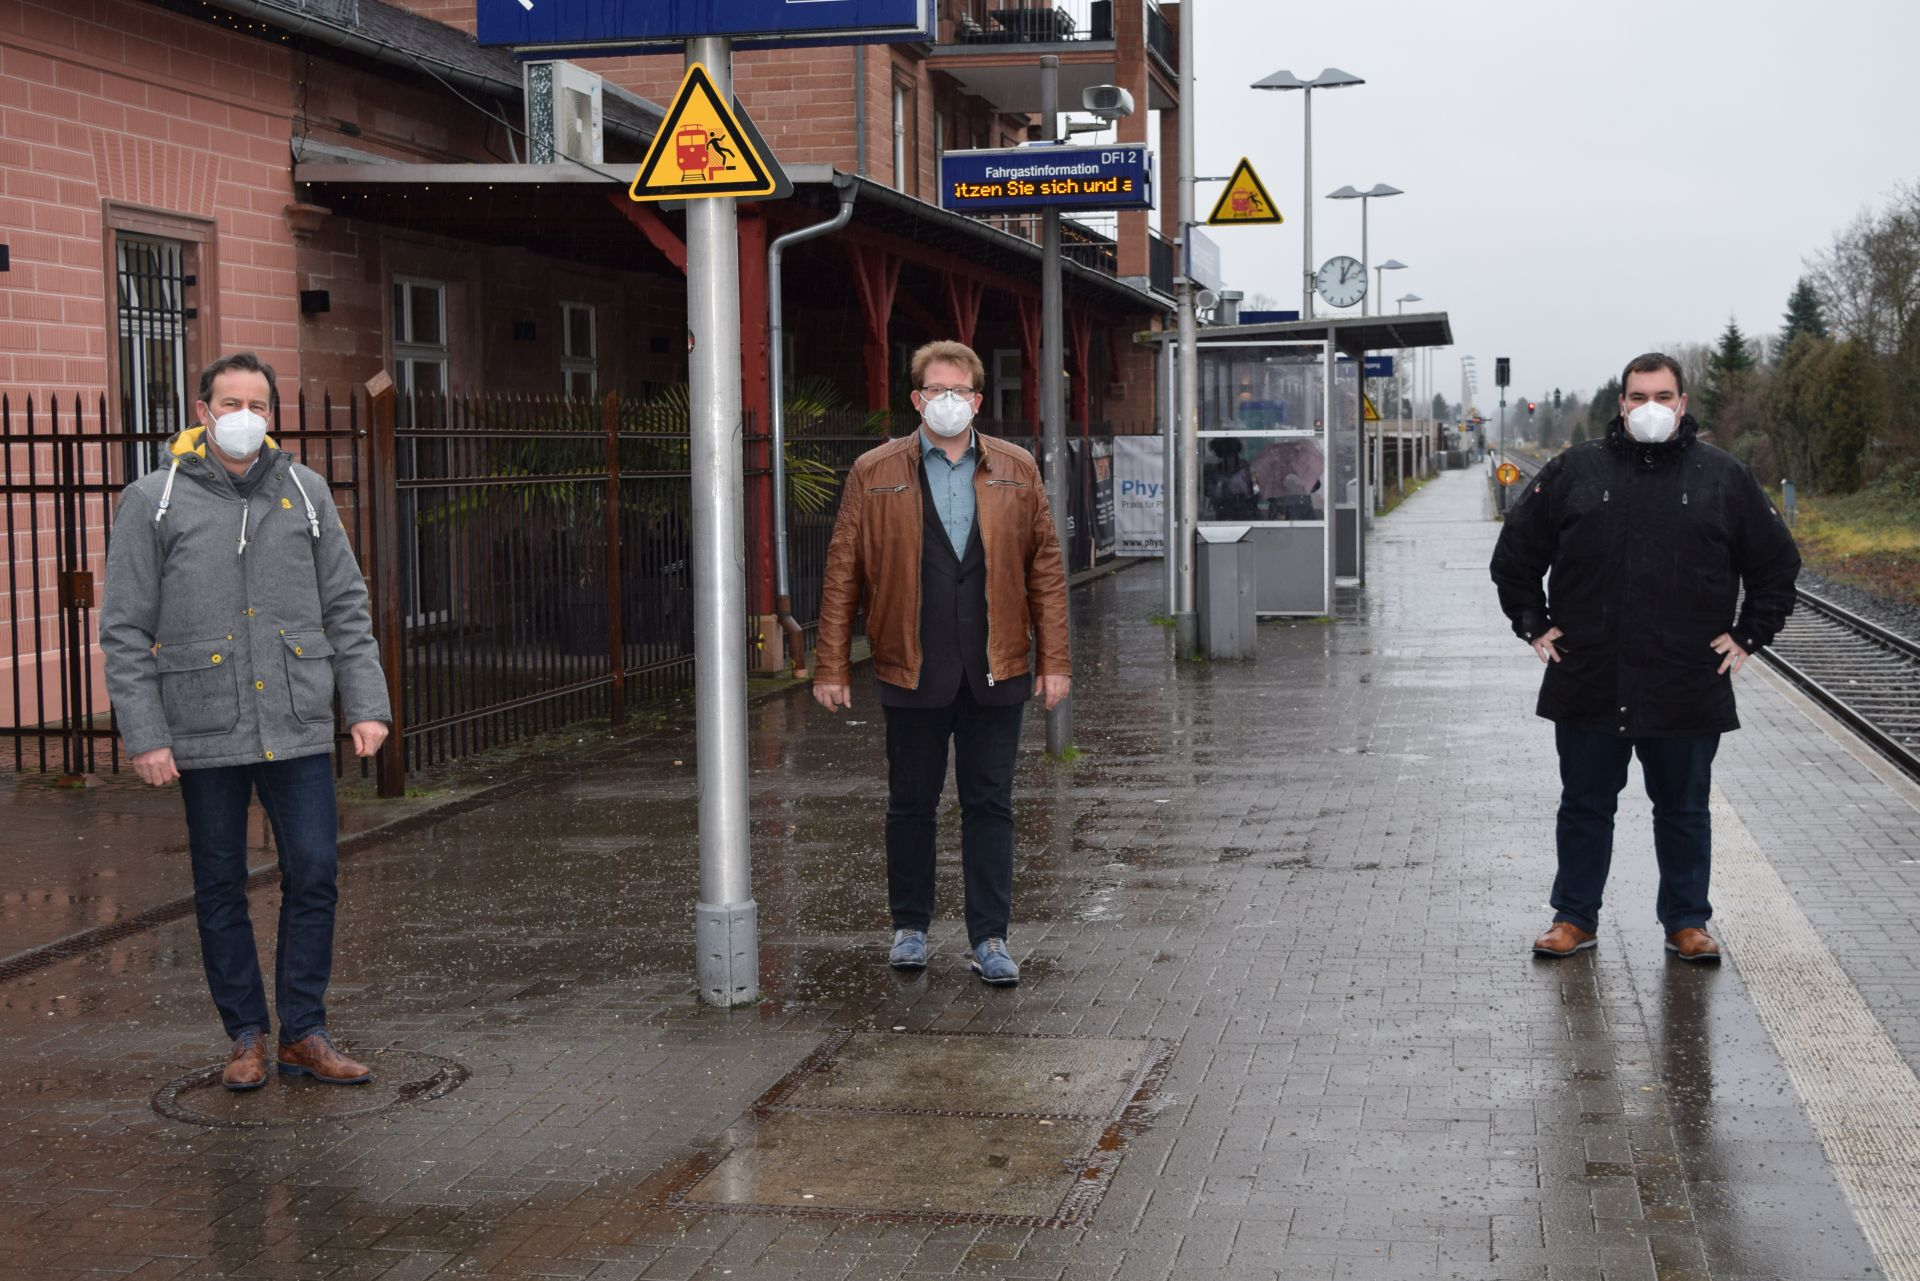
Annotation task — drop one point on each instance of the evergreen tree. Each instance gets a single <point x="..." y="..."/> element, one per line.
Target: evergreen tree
<point x="1804" y="315"/>
<point x="1603" y="408"/>
<point x="1726" y="370"/>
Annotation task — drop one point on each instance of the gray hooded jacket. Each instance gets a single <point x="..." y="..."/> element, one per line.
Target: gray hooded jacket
<point x="227" y="623"/>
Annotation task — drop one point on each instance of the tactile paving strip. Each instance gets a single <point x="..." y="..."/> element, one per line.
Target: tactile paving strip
<point x="949" y="1127"/>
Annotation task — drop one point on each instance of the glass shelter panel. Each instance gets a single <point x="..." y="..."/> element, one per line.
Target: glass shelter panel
<point x="1264" y="463"/>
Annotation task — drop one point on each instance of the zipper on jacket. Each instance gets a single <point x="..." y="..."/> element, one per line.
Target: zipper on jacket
<point x="885" y="489"/>
<point x="243" y="528"/>
<point x="986" y="568"/>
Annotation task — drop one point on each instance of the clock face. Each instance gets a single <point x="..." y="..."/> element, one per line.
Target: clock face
<point x="1341" y="281"/>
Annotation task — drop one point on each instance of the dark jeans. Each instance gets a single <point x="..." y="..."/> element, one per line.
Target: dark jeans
<point x="298" y="798"/>
<point x="985" y="741"/>
<point x="1679" y="775"/>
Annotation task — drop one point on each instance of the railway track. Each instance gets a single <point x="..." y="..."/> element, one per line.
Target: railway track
<point x="1866" y="675"/>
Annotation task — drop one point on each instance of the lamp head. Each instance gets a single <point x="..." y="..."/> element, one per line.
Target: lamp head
<point x="1411" y="298"/>
<point x="1281" y="80"/>
<point x="1345" y="193"/>
<point x="1391" y="264"/>
<point x="1382" y="189"/>
<point x="1334" y="78"/>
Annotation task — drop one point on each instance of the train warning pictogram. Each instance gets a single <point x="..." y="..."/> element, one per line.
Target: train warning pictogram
<point x="705" y="148"/>
<point x="1245" y="201"/>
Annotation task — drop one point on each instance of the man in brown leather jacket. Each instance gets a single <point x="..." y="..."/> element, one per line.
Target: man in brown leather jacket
<point x="946" y="540"/>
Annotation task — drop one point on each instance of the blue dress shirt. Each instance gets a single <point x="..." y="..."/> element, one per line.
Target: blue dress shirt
<point x="951" y="484"/>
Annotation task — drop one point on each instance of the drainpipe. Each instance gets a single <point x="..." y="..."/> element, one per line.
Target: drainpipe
<point x="796" y="639"/>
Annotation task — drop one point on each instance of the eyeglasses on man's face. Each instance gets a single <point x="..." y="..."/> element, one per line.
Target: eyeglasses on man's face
<point x="931" y="392"/>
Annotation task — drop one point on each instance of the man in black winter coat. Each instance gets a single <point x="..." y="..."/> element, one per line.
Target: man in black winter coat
<point x="1650" y="535"/>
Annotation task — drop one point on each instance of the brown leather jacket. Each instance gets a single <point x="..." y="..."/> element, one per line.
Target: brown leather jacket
<point x="874" y="562"/>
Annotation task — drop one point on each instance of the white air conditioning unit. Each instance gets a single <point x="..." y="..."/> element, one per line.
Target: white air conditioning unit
<point x="563" y="113"/>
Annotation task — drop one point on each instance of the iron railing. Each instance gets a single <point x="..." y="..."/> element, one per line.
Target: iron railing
<point x="62" y="466"/>
<point x="528" y="559"/>
<point x="1006" y="22"/>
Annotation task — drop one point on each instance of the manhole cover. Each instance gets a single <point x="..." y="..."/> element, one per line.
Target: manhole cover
<point x="400" y="1077"/>
<point x="1021" y="1130"/>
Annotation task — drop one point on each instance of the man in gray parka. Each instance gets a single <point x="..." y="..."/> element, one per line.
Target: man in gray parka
<point x="234" y="609"/>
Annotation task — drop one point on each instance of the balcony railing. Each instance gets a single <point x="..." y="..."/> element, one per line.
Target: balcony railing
<point x="1160" y="40"/>
<point x="1161" y="255"/>
<point x="1000" y="22"/>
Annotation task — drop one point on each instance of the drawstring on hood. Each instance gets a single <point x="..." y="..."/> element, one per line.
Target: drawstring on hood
<point x="166" y="495"/>
<point x="313" y="517"/>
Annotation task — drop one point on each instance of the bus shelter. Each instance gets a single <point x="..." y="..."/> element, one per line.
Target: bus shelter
<point x="1282" y="443"/>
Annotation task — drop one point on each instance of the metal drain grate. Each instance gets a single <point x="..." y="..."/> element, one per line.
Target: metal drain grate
<point x="400" y="1078"/>
<point x="1032" y="1128"/>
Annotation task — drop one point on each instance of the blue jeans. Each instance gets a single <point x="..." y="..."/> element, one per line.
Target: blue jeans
<point x="298" y="798"/>
<point x="1679" y="776"/>
<point x="986" y="743"/>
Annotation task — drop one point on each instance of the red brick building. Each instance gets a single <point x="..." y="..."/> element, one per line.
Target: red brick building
<point x="345" y="186"/>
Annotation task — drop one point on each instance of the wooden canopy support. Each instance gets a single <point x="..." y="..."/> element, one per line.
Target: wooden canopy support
<point x="876" y="278"/>
<point x="1028" y="311"/>
<point x="1080" y="348"/>
<point x="964" y="294"/>
<point x="653" y="227"/>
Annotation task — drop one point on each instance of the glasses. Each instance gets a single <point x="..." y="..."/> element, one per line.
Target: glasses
<point x="931" y="392"/>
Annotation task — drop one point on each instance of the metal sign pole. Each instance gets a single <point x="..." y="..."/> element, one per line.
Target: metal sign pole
<point x="1186" y="630"/>
<point x="727" y="954"/>
<point x="1053" y="358"/>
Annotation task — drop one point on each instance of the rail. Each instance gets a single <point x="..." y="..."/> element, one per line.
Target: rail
<point x="1866" y="675"/>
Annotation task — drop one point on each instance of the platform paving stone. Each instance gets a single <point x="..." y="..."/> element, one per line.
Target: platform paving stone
<point x="1314" y="875"/>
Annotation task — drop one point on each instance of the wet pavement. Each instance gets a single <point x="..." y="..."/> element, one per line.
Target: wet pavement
<point x="1276" y="1013"/>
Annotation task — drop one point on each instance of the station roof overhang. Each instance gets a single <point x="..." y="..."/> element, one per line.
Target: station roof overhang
<point x="1352" y="335"/>
<point x="573" y="210"/>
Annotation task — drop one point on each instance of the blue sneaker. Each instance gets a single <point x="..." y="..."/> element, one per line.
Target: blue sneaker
<point x="993" y="965"/>
<point x="909" y="950"/>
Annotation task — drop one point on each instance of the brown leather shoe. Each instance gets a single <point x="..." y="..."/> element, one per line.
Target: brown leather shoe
<point x="314" y="1055"/>
<point x="1694" y="944"/>
<point x="247" y="1063"/>
<point x="1564" y="939"/>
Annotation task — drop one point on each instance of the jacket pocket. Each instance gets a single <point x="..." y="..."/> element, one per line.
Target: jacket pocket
<point x="1010" y="484"/>
<point x="887" y="489"/>
<point x="310" y="676"/>
<point x="198" y="689"/>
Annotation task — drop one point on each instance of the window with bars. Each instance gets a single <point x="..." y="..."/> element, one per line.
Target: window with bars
<point x="419" y="373"/>
<point x="153" y="294"/>
<point x="579" y="350"/>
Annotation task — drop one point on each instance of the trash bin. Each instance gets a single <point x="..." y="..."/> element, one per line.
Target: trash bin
<point x="1224" y="592"/>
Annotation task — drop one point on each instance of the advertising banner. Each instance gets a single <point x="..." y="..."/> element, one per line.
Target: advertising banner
<point x="1140" y="496"/>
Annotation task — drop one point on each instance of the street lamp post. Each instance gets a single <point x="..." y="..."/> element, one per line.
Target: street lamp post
<point x="1330" y="78"/>
<point x="1379" y="278"/>
<point x="1352" y="193"/>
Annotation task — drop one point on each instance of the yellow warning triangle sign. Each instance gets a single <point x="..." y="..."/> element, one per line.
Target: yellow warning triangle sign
<point x="1245" y="201"/>
<point x="1372" y="414"/>
<point x="705" y="148"/>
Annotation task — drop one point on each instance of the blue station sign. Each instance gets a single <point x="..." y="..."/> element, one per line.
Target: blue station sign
<point x="1047" y="176"/>
<point x="1379" y="367"/>
<point x="562" y="28"/>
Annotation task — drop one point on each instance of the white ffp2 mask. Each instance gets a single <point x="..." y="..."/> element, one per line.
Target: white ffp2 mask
<point x="948" y="414"/>
<point x="240" y="433"/>
<point x="1651" y="423"/>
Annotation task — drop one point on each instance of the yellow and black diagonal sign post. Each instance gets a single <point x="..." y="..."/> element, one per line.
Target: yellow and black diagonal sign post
<point x="706" y="148"/>
<point x="1245" y="201"/>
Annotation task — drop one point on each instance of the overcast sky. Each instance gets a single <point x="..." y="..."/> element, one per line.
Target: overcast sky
<point x="1583" y="181"/>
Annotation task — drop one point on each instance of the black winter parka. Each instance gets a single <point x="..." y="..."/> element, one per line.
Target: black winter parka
<point x="1649" y="547"/>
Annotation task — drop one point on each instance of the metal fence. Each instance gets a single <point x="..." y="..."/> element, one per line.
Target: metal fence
<point x="62" y="466"/>
<point x="528" y="559"/>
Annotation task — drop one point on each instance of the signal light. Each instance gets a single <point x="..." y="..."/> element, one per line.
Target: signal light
<point x="1530" y="408"/>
